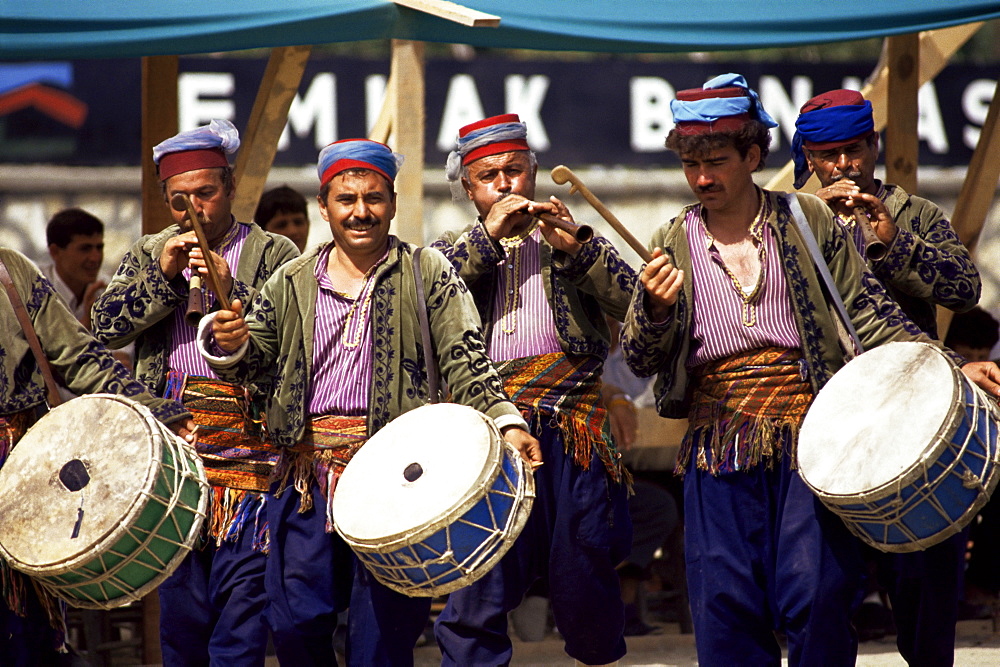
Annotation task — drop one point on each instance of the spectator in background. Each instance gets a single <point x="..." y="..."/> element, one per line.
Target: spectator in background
<point x="283" y="211"/>
<point x="973" y="335"/>
<point x="76" y="245"/>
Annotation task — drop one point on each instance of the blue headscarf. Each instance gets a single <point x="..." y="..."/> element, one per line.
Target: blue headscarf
<point x="829" y="124"/>
<point x="219" y="134"/>
<point x="357" y="153"/>
<point x="712" y="109"/>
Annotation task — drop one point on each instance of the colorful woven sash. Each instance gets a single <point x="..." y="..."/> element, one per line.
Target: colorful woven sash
<point x="567" y="392"/>
<point x="238" y="460"/>
<point x="325" y="449"/>
<point x="746" y="410"/>
<point x="14" y="585"/>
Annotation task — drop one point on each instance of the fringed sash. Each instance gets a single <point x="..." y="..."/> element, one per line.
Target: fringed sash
<point x="239" y="462"/>
<point x="14" y="585"/>
<point x="746" y="410"/>
<point x="325" y="449"/>
<point x="566" y="391"/>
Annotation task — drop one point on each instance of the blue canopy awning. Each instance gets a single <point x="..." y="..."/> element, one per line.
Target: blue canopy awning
<point x="51" y="29"/>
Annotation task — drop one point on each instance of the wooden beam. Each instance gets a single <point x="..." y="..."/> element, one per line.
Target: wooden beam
<point x="159" y="122"/>
<point x="901" y="142"/>
<point x="259" y="141"/>
<point x="452" y="12"/>
<point x="979" y="187"/>
<point x="406" y="95"/>
<point x="936" y="48"/>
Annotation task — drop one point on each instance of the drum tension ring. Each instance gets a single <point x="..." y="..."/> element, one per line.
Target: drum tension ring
<point x="413" y="472"/>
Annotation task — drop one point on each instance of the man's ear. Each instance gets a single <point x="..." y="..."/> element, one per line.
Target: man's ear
<point x="467" y="187"/>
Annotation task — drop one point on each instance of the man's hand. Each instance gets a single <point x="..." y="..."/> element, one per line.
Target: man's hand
<point x="174" y="257"/>
<point x="663" y="282"/>
<point x="844" y="195"/>
<point x="90" y="293"/>
<point x="185" y="429"/>
<point x="557" y="238"/>
<point x="197" y="261"/>
<point x="230" y="329"/>
<point x="505" y="214"/>
<point x="525" y="443"/>
<point x="986" y="374"/>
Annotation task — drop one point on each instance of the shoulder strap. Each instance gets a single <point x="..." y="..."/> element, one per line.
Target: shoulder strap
<point x="845" y="327"/>
<point x="51" y="388"/>
<point x="433" y="378"/>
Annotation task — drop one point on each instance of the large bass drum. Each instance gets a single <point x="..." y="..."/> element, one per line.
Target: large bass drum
<point x="902" y="446"/>
<point x="100" y="502"/>
<point x="433" y="500"/>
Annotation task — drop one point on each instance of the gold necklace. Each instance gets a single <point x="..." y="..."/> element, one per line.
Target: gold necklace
<point x="508" y="319"/>
<point x="365" y="298"/>
<point x="749" y="306"/>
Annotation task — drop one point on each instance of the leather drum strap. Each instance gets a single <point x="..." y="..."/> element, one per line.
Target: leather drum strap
<point x="51" y="387"/>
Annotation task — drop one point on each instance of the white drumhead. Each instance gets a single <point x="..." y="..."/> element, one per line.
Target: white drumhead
<point x="877" y="417"/>
<point x="113" y="438"/>
<point x="456" y="448"/>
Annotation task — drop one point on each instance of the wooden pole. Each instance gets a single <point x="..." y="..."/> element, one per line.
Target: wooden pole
<point x="901" y="142"/>
<point x="159" y="122"/>
<point x="259" y="140"/>
<point x="408" y="121"/>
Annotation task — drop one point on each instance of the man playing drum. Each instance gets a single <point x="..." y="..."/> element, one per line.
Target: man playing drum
<point x="212" y="607"/>
<point x="341" y="325"/>
<point x="731" y="315"/>
<point x="543" y="296"/>
<point x="32" y="626"/>
<point x="925" y="266"/>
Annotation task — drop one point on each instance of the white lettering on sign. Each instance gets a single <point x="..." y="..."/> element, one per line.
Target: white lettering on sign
<point x="782" y="107"/>
<point x="194" y="109"/>
<point x="930" y="125"/>
<point x="461" y="107"/>
<point x="651" y="119"/>
<point x="316" y="112"/>
<point x="374" y="99"/>
<point x="975" y="104"/>
<point x="524" y="96"/>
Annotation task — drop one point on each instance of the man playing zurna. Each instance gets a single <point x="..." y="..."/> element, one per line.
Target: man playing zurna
<point x="543" y="297"/>
<point x="340" y="327"/>
<point x="212" y="607"/>
<point x="925" y="266"/>
<point x="731" y="315"/>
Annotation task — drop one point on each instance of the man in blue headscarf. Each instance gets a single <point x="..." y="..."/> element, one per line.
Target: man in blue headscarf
<point x="925" y="266"/>
<point x="731" y="316"/>
<point x="339" y="327"/>
<point x="212" y="607"/>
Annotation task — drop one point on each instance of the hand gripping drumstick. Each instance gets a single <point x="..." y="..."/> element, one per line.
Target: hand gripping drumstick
<point x="181" y="202"/>
<point x="562" y="174"/>
<point x="874" y="248"/>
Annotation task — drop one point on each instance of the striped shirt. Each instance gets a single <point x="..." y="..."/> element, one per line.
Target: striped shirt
<point x="184" y="355"/>
<point x="523" y="325"/>
<point x="719" y="325"/>
<point x="342" y="346"/>
<point x="853" y="229"/>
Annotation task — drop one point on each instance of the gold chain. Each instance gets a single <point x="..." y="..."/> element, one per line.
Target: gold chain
<point x="366" y="291"/>
<point x="508" y="320"/>
<point x="749" y="306"/>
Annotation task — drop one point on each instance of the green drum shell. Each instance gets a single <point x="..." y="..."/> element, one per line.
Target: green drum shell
<point x="121" y="560"/>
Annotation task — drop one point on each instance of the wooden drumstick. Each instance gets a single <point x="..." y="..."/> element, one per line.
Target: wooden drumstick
<point x="874" y="248"/>
<point x="582" y="233"/>
<point x="562" y="174"/>
<point x="181" y="202"/>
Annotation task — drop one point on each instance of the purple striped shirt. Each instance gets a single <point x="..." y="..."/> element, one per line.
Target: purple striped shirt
<point x="342" y="346"/>
<point x="718" y="329"/>
<point x="184" y="355"/>
<point x="523" y="324"/>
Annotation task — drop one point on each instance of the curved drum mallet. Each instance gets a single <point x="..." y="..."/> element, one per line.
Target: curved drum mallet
<point x="562" y="174"/>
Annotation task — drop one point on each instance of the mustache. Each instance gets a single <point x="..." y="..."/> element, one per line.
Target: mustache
<point x="709" y="188"/>
<point x="361" y="223"/>
<point x="849" y="176"/>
